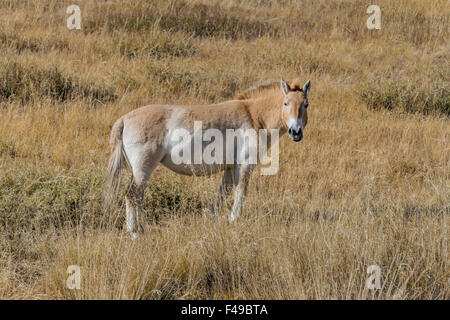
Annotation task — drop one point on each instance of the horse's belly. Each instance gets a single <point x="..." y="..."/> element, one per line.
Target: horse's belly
<point x="202" y="169"/>
<point x="192" y="156"/>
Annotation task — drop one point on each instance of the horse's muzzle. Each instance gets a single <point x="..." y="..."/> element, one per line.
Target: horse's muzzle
<point x="296" y="135"/>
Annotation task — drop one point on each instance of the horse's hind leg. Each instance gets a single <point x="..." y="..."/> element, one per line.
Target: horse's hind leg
<point x="224" y="190"/>
<point x="242" y="176"/>
<point x="142" y="165"/>
<point x="134" y="198"/>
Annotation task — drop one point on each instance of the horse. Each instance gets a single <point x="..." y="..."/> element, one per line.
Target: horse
<point x="145" y="137"/>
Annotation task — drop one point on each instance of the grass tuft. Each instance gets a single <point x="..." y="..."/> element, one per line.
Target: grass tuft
<point x="25" y="84"/>
<point x="407" y="97"/>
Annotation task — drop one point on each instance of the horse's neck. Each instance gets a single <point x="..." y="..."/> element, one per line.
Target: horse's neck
<point x="266" y="112"/>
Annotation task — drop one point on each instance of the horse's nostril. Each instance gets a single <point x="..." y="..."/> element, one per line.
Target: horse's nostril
<point x="290" y="131"/>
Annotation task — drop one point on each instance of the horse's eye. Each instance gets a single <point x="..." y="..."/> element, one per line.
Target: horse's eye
<point x="285" y="104"/>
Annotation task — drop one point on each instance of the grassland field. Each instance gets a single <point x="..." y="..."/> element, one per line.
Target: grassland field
<point x="368" y="185"/>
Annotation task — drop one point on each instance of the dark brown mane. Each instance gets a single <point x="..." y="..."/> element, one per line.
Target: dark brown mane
<point x="266" y="85"/>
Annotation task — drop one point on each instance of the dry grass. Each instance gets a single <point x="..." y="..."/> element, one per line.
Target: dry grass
<point x="368" y="185"/>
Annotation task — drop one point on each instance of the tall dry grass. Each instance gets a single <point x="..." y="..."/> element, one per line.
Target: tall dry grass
<point x="369" y="184"/>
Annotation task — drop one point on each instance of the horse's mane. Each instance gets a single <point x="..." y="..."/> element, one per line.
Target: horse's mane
<point x="266" y="85"/>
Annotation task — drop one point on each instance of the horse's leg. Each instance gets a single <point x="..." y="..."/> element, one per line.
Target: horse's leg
<point x="142" y="165"/>
<point x="224" y="189"/>
<point x="242" y="175"/>
<point x="134" y="198"/>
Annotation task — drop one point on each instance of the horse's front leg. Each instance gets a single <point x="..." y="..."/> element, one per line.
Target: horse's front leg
<point x="242" y="176"/>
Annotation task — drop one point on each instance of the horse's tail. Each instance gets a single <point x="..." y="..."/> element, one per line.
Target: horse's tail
<point x="116" y="163"/>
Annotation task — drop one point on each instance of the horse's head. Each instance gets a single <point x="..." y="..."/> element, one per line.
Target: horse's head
<point x="294" y="108"/>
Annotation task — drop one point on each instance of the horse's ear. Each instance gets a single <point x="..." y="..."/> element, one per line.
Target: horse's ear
<point x="306" y="87"/>
<point x="284" y="87"/>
